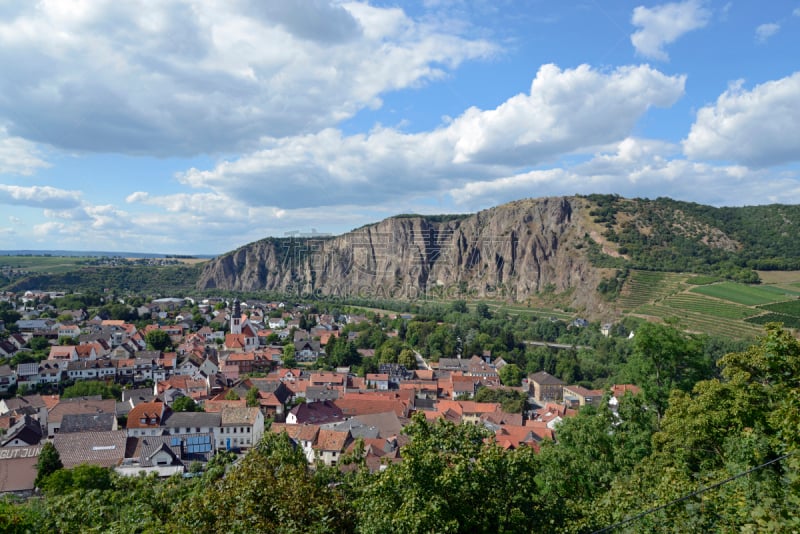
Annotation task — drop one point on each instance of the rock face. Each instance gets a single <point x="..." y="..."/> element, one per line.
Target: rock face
<point x="509" y="252"/>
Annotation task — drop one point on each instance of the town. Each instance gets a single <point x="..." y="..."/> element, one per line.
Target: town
<point x="199" y="377"/>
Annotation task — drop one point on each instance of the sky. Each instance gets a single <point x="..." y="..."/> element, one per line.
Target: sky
<point x="196" y="127"/>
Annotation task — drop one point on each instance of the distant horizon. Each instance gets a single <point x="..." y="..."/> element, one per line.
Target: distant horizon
<point x="99" y="253"/>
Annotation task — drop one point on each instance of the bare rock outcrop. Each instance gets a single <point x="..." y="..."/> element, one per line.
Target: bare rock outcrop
<point x="510" y="252"/>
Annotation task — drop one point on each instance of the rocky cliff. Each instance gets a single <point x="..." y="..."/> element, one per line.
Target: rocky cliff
<point x="512" y="252"/>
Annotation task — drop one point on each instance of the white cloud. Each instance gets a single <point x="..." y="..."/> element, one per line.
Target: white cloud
<point x="635" y="168"/>
<point x="760" y="127"/>
<point x="566" y="111"/>
<point x="796" y="12"/>
<point x="765" y="31"/>
<point x="178" y="77"/>
<point x="18" y="156"/>
<point x="664" y="24"/>
<point x="39" y="196"/>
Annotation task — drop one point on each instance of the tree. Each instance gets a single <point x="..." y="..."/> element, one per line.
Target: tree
<point x="231" y="395"/>
<point x="185" y="404"/>
<point x="459" y="306"/>
<point x="157" y="340"/>
<point x="723" y="427"/>
<point x="252" y="396"/>
<point x="288" y="355"/>
<point x="48" y="463"/>
<point x="82" y="477"/>
<point x="482" y="311"/>
<point x="271" y="489"/>
<point x="407" y="359"/>
<point x="38" y="343"/>
<point x="511" y="400"/>
<point x="511" y="375"/>
<point x="664" y="359"/>
<point x="452" y="479"/>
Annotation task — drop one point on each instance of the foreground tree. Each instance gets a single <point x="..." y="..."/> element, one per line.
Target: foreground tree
<point x="453" y="478"/>
<point x="742" y="432"/>
<point x="271" y="489"/>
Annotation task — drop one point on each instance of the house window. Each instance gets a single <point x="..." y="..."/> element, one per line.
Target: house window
<point x="197" y="430"/>
<point x="143" y="420"/>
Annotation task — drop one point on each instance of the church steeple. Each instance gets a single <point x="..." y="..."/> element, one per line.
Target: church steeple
<point x="236" y="318"/>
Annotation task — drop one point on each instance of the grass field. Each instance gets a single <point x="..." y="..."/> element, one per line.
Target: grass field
<point x="43" y="264"/>
<point x="748" y="295"/>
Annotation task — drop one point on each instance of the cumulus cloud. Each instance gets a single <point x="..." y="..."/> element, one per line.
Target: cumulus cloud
<point x="633" y="167"/>
<point x="758" y="128"/>
<point x="18" y="156"/>
<point x="566" y="111"/>
<point x="664" y="24"/>
<point x="176" y="77"/>
<point x="765" y="31"/>
<point x="39" y="196"/>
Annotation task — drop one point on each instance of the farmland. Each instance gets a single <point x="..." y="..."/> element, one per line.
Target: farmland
<point x="749" y="295"/>
<point x="721" y="308"/>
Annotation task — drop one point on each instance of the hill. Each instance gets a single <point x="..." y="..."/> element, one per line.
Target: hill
<point x="575" y="252"/>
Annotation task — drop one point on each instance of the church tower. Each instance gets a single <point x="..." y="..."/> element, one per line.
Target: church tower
<point x="236" y="318"/>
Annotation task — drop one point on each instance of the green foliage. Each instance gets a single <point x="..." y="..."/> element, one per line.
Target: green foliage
<point x="185" y="404"/>
<point x="82" y="477"/>
<point x="19" y="517"/>
<point x="664" y="359"/>
<point x="271" y="489"/>
<point x="87" y="388"/>
<point x="252" y="397"/>
<point x="669" y="235"/>
<point x="791" y="307"/>
<point x="451" y="480"/>
<point x="603" y="468"/>
<point x="48" y="463"/>
<point x="407" y="359"/>
<point x="39" y="343"/>
<point x="593" y="450"/>
<point x="8" y="315"/>
<point x="142" y="279"/>
<point x="157" y="339"/>
<point x="231" y="395"/>
<point x="745" y="294"/>
<point x="724" y="427"/>
<point x="511" y="375"/>
<point x="789" y="321"/>
<point x="511" y="400"/>
<point x="610" y="287"/>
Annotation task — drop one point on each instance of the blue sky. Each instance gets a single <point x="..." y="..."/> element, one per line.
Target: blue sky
<point x="197" y="127"/>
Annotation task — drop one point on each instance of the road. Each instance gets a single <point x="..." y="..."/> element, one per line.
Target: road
<point x="421" y="363"/>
